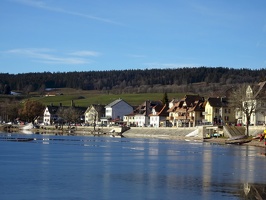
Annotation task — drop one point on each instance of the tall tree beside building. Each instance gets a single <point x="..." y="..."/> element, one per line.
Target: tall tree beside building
<point x="245" y="102"/>
<point x="69" y="115"/>
<point x="7" y="89"/>
<point x="30" y="110"/>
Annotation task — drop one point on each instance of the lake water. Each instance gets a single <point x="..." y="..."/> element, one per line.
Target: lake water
<point x="84" y="167"/>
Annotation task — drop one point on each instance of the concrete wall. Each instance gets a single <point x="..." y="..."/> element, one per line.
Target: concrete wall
<point x="158" y="132"/>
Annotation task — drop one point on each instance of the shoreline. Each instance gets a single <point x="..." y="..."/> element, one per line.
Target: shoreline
<point x="213" y="140"/>
<point x="172" y="133"/>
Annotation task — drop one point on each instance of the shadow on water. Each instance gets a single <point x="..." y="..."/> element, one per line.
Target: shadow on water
<point x="253" y="191"/>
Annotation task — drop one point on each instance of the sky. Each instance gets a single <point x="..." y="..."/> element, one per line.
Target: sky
<point x="100" y="35"/>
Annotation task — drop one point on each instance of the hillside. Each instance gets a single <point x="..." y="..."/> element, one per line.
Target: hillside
<point x="204" y="80"/>
<point x="84" y="98"/>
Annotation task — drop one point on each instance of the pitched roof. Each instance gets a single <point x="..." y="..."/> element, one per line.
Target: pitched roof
<point x="197" y="106"/>
<point x="53" y="109"/>
<point x="217" y="101"/>
<point x="146" y="107"/>
<point x="161" y="110"/>
<point x="192" y="102"/>
<point x="190" y="99"/>
<point x="260" y="89"/>
<point x="99" y="107"/>
<point x="116" y="102"/>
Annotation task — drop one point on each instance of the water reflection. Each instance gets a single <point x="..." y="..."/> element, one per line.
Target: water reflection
<point x="131" y="168"/>
<point x="254" y="191"/>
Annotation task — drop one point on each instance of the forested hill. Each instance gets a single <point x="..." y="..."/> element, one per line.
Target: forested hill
<point x="130" y="80"/>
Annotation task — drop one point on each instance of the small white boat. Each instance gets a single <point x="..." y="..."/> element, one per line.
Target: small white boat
<point x="27" y="127"/>
<point x="25" y="131"/>
<point x="116" y="136"/>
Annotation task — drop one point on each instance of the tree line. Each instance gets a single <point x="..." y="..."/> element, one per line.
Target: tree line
<point x="126" y="81"/>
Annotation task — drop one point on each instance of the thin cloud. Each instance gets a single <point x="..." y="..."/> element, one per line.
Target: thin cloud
<point x="46" y="56"/>
<point x="44" y="6"/>
<point x="136" y="56"/>
<point x="85" y="53"/>
<point x="168" y="65"/>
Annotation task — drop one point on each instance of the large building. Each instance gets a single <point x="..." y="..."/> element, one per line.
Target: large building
<point x="218" y="112"/>
<point x="187" y="112"/>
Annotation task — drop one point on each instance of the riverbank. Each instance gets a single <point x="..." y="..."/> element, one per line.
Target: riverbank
<point x="182" y="132"/>
<point x="167" y="133"/>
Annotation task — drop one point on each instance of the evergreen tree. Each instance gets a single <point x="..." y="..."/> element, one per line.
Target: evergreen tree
<point x="7" y="89"/>
<point x="165" y="99"/>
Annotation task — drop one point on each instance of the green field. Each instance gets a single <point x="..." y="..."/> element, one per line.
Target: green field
<point x="86" y="98"/>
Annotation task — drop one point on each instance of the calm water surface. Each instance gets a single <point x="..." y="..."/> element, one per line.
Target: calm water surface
<point x="82" y="167"/>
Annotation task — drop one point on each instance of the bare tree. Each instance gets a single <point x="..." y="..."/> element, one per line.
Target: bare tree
<point x="69" y="114"/>
<point x="245" y="102"/>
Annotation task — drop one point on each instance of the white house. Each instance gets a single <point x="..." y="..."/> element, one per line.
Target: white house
<point x="94" y="113"/>
<point x="158" y="115"/>
<point x="49" y="115"/>
<point x="141" y="115"/>
<point x="256" y="94"/>
<point x="116" y="110"/>
<point x="141" y="120"/>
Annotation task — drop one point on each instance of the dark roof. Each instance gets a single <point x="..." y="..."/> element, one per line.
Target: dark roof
<point x="99" y="108"/>
<point x="53" y="109"/>
<point x="218" y="101"/>
<point x="116" y="102"/>
<point x="146" y="107"/>
<point x="192" y="102"/>
<point x="260" y="90"/>
<point x="190" y="99"/>
<point x="161" y="110"/>
<point x="81" y="110"/>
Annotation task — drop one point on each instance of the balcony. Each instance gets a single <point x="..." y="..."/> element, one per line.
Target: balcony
<point x="170" y="118"/>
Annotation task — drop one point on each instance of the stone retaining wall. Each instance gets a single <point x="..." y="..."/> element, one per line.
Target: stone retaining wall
<point x="158" y="132"/>
<point x="175" y="132"/>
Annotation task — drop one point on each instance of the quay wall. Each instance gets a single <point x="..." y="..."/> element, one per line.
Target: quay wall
<point x="162" y="133"/>
<point x="255" y="130"/>
<point x="179" y="132"/>
<point x="144" y="132"/>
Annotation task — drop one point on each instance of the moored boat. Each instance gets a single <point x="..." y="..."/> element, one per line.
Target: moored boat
<point x="238" y="141"/>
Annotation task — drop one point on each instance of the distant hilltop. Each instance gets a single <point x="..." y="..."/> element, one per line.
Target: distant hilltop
<point x="195" y="80"/>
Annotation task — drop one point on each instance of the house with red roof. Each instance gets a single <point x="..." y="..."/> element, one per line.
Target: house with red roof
<point x="187" y="112"/>
<point x="158" y="117"/>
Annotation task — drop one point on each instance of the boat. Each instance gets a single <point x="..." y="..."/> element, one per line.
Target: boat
<point x="26" y="131"/>
<point x="17" y="139"/>
<point x="116" y="136"/>
<point x="27" y="127"/>
<point x="238" y="141"/>
<point x="237" y="137"/>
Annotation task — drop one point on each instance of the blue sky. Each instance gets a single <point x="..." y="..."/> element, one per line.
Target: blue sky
<point x="85" y="35"/>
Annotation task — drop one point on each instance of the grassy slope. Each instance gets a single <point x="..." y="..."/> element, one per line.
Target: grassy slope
<point x="86" y="98"/>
